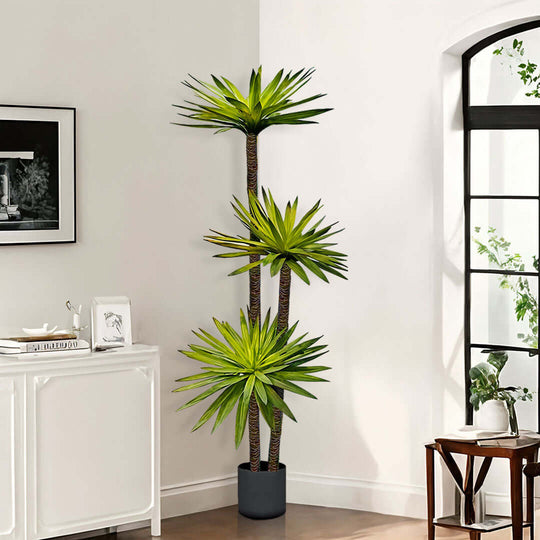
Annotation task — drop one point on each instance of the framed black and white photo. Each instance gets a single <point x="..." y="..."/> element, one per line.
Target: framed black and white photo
<point x="37" y="174"/>
<point x="111" y="322"/>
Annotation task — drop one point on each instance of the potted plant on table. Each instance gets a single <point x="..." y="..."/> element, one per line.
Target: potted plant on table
<point x="497" y="401"/>
<point x="251" y="368"/>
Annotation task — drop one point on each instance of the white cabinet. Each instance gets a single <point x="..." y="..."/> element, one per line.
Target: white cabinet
<point x="88" y="456"/>
<point x="11" y="457"/>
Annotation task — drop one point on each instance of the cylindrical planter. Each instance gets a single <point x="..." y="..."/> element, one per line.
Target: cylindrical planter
<point x="493" y="416"/>
<point x="262" y="494"/>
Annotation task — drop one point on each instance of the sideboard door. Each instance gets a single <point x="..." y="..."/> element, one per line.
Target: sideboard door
<point x="11" y="458"/>
<point x="91" y="448"/>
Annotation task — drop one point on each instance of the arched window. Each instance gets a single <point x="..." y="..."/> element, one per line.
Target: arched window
<point x="501" y="112"/>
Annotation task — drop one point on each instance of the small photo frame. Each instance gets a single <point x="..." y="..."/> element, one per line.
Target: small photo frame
<point x="111" y="322"/>
<point x="37" y="175"/>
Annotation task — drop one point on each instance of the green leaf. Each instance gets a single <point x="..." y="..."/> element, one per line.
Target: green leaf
<point x="279" y="403"/>
<point x="212" y="409"/>
<point x="241" y="418"/>
<point x="228" y="404"/>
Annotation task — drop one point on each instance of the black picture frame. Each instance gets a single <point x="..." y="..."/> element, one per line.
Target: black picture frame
<point x="37" y="175"/>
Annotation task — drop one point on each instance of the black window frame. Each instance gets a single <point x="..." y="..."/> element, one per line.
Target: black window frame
<point x="502" y="117"/>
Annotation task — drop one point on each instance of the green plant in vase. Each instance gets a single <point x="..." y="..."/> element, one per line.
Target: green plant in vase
<point x="223" y="107"/>
<point x="485" y="386"/>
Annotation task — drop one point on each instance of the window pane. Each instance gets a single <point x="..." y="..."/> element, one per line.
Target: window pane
<point x="493" y="310"/>
<point x="494" y="78"/>
<point x="508" y="229"/>
<point x="504" y="162"/>
<point x="520" y="370"/>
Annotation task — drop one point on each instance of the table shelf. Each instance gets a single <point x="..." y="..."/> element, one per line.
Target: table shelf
<point x="490" y="523"/>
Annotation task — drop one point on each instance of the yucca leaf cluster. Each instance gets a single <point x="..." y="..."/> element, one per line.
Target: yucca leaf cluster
<point x="280" y="239"/>
<point x="254" y="360"/>
<point x="223" y="107"/>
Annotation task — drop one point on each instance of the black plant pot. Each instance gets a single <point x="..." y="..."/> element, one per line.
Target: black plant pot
<point x="262" y="494"/>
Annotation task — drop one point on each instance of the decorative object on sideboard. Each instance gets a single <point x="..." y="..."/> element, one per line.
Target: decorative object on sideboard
<point x="42" y="345"/>
<point x="111" y="322"/>
<point x="76" y="327"/>
<point x="42" y="331"/>
<point x="37" y="174"/>
<point x="487" y="392"/>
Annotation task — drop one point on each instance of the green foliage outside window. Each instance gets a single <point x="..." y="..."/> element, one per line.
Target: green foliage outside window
<point x="528" y="71"/>
<point x="499" y="253"/>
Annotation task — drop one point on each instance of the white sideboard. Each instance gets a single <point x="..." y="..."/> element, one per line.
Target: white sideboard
<point x="79" y="443"/>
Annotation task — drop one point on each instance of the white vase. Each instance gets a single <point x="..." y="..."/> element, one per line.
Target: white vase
<point x="492" y="416"/>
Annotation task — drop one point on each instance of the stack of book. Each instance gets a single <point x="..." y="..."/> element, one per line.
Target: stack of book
<point x="21" y="347"/>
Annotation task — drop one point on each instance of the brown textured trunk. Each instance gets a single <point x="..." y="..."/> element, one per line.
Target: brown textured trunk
<point x="283" y="323"/>
<point x="252" y="188"/>
<point x="254" y="306"/>
<point x="254" y="435"/>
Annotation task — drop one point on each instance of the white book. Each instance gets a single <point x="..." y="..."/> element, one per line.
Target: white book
<point x="473" y="434"/>
<point x="45" y="355"/>
<point x="30" y="347"/>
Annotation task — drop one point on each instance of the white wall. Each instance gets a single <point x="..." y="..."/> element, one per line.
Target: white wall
<point x="377" y="163"/>
<point x="147" y="190"/>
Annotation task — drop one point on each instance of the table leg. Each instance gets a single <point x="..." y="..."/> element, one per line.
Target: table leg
<point x="516" y="493"/>
<point x="430" y="485"/>
<point x="474" y="535"/>
<point x="468" y="490"/>
<point x="530" y="495"/>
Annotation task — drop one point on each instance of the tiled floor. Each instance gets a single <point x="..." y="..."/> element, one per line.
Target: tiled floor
<point x="300" y="522"/>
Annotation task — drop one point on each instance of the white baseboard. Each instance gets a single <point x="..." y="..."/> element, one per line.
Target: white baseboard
<point x="188" y="498"/>
<point x="356" y="494"/>
<point x="499" y="503"/>
<point x="312" y="489"/>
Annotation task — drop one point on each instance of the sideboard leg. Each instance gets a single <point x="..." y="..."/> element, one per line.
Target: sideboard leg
<point x="155" y="522"/>
<point x="155" y="527"/>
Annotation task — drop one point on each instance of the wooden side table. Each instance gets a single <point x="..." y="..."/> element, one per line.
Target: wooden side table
<point x="515" y="450"/>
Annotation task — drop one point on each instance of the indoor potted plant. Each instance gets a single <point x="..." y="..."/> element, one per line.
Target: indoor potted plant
<point x="247" y="366"/>
<point x="497" y="402"/>
<point x="257" y="361"/>
<point x="222" y="107"/>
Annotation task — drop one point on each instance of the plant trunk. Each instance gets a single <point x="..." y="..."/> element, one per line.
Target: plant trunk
<point x="254" y="435"/>
<point x="253" y="188"/>
<point x="254" y="306"/>
<point x="283" y="323"/>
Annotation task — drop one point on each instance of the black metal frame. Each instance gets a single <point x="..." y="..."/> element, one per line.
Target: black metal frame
<point x="74" y="240"/>
<point x="491" y="117"/>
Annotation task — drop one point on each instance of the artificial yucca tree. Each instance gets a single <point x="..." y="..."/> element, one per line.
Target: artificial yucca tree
<point x="254" y="361"/>
<point x="286" y="245"/>
<point x="223" y="107"/>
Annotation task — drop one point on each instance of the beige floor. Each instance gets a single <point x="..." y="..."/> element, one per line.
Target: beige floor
<point x="299" y="523"/>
